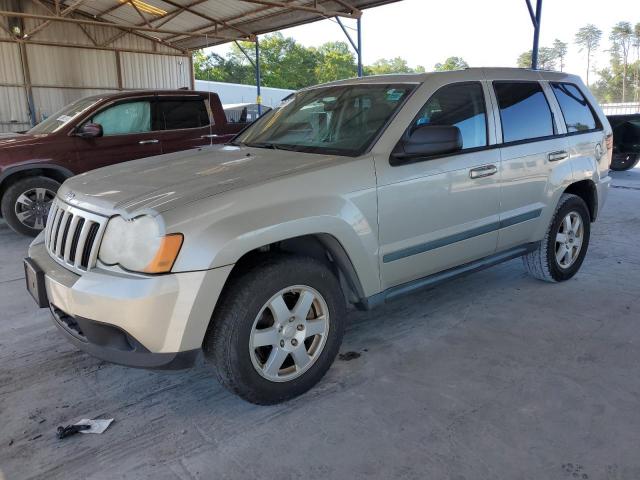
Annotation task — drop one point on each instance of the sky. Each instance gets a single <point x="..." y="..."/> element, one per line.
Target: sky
<point x="486" y="33"/>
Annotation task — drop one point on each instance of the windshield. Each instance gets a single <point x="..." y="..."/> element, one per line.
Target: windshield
<point x="341" y="120"/>
<point x="64" y="116"/>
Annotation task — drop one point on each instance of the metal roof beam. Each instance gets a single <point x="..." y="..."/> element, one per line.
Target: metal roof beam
<point x="207" y="17"/>
<point x="102" y="23"/>
<point x="63" y="13"/>
<point x="305" y="8"/>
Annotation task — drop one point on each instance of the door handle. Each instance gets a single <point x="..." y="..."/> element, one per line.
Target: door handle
<point x="555" y="156"/>
<point x="147" y="142"/>
<point x="213" y="135"/>
<point x="483" y="171"/>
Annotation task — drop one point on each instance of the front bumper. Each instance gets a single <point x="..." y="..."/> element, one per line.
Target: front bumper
<point x="140" y="321"/>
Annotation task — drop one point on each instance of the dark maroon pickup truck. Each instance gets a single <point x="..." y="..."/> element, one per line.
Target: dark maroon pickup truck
<point x="98" y="131"/>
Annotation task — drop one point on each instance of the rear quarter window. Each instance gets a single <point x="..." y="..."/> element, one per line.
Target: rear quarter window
<point x="578" y="114"/>
<point x="524" y="111"/>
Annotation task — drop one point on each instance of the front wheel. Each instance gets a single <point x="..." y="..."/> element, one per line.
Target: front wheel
<point x="562" y="251"/>
<point x="277" y="329"/>
<point x="26" y="203"/>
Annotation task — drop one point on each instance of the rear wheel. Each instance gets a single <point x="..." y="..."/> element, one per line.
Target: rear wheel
<point x="277" y="329"/>
<point x="624" y="161"/>
<point x="562" y="251"/>
<point x="26" y="204"/>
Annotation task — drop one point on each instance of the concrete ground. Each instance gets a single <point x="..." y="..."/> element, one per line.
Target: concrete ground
<point x="495" y="375"/>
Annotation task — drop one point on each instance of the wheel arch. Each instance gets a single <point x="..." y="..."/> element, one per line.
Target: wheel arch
<point x="13" y="174"/>
<point x="321" y="246"/>
<point x="587" y="190"/>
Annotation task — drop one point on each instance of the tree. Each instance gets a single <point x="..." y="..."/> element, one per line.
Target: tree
<point x="524" y="60"/>
<point x="588" y="38"/>
<point x="546" y="59"/>
<point x="385" y="66"/>
<point x="560" y="51"/>
<point x="451" y="63"/>
<point x="335" y="61"/>
<point x="622" y="38"/>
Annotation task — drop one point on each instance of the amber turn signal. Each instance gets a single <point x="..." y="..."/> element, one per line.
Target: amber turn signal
<point x="167" y="254"/>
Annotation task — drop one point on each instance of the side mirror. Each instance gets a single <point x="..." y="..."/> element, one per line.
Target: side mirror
<point x="89" y="130"/>
<point x="428" y="140"/>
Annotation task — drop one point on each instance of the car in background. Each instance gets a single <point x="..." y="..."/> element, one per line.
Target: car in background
<point x="243" y="113"/>
<point x="626" y="141"/>
<point x="97" y="131"/>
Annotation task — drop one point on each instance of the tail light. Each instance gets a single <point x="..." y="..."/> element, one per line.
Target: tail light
<point x="609" y="141"/>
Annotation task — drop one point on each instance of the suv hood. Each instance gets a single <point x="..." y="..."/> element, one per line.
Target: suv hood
<point x="167" y="181"/>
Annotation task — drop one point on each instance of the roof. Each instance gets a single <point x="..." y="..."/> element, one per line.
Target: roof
<point x="193" y="24"/>
<point x="479" y="73"/>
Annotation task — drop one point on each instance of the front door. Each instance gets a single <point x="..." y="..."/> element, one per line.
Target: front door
<point x="127" y="135"/>
<point x="440" y="212"/>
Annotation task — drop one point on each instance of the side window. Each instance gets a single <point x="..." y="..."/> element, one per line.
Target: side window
<point x="461" y="105"/>
<point x="176" y="113"/>
<point x="524" y="111"/>
<point x="578" y="115"/>
<point x="125" y="118"/>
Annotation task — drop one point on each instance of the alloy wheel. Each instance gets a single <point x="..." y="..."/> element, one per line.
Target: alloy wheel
<point x="289" y="333"/>
<point x="32" y="207"/>
<point x="569" y="239"/>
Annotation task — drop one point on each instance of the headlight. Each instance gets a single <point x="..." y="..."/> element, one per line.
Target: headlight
<point x="139" y="245"/>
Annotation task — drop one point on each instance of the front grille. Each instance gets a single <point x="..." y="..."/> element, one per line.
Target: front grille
<point x="72" y="236"/>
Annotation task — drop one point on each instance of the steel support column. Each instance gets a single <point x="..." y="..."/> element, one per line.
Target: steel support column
<point x="536" y="18"/>
<point x="258" y="95"/>
<point x="356" y="46"/>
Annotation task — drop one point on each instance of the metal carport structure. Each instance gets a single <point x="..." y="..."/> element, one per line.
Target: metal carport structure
<point x="169" y="27"/>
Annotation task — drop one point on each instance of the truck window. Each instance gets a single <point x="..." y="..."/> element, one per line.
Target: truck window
<point x="125" y="118"/>
<point x="524" y="111"/>
<point x="175" y="114"/>
<point x="578" y="115"/>
<point x="461" y="105"/>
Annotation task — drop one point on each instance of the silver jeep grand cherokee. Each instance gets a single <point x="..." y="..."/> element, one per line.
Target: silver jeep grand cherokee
<point x="356" y="191"/>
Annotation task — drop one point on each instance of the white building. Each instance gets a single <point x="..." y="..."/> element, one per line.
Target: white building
<point x="237" y="93"/>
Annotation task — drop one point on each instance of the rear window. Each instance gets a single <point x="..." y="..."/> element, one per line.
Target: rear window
<point x="578" y="115"/>
<point x="175" y="114"/>
<point x="524" y="111"/>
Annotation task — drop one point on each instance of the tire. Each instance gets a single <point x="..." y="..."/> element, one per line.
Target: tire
<point x="543" y="263"/>
<point x="624" y="161"/>
<point x="245" y="314"/>
<point x="40" y="191"/>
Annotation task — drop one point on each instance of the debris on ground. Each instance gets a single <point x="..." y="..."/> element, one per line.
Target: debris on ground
<point x="348" y="356"/>
<point x="85" y="425"/>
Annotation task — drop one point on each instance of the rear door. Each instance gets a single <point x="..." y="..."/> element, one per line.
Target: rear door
<point x="127" y="135"/>
<point x="533" y="145"/>
<point x="183" y="122"/>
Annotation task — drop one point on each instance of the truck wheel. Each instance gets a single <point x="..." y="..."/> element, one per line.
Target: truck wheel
<point x="277" y="329"/>
<point x="624" y="161"/>
<point x="564" y="246"/>
<point x="26" y="203"/>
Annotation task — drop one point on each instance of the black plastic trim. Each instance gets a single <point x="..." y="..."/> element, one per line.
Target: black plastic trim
<point x="458" y="237"/>
<point x="113" y="344"/>
<point x="440" y="277"/>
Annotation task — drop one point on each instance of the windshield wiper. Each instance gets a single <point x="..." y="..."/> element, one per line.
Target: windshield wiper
<point x="271" y="146"/>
